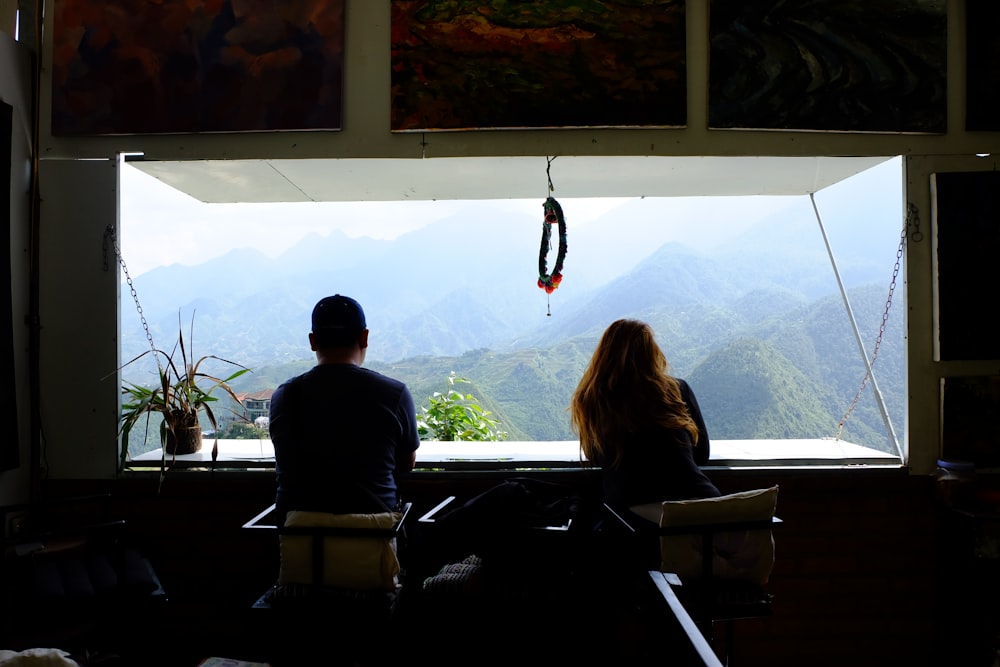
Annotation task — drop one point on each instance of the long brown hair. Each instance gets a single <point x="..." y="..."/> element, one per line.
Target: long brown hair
<point x="626" y="387"/>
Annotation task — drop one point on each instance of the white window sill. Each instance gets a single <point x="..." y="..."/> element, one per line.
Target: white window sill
<point x="565" y="453"/>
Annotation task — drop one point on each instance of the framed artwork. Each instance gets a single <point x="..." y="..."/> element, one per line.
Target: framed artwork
<point x="466" y="64"/>
<point x="828" y="65"/>
<point x="191" y="66"/>
<point x="982" y="48"/>
<point x="967" y="239"/>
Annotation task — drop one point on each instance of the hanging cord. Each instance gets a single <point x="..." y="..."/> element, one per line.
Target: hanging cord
<point x="109" y="236"/>
<point x="857" y="334"/>
<point x="912" y="221"/>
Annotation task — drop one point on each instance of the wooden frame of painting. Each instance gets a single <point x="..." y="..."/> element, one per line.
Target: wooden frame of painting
<point x="192" y="66"/>
<point x="828" y="65"/>
<point x="465" y="64"/>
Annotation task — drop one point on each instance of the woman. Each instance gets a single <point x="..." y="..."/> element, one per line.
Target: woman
<point x="640" y="424"/>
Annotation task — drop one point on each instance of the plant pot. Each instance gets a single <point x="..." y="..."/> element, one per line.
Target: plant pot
<point x="186" y="440"/>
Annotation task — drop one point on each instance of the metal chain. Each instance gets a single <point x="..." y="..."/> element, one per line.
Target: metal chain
<point x="109" y="233"/>
<point x="912" y="219"/>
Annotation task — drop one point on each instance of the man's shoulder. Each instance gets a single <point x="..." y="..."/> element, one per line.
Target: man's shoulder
<point x="387" y="380"/>
<point x="338" y="375"/>
<point x="290" y="382"/>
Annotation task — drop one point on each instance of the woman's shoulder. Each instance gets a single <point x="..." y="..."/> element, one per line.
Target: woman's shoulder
<point x="685" y="389"/>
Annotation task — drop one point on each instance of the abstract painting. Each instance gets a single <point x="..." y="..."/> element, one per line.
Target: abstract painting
<point x="467" y="64"/>
<point x="190" y="66"/>
<point x="828" y="65"/>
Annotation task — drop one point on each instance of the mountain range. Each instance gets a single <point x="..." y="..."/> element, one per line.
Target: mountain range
<point x="755" y="321"/>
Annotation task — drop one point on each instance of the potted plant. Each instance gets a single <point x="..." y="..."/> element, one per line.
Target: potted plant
<point x="183" y="393"/>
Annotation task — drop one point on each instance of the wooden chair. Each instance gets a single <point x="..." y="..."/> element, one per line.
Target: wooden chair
<point x="336" y="588"/>
<point x="715" y="554"/>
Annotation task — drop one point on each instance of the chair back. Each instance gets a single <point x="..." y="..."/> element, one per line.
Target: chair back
<point x="338" y="551"/>
<point x="724" y="538"/>
<point x="354" y="551"/>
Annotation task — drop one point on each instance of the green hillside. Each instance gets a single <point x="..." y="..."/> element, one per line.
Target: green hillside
<point x="769" y="376"/>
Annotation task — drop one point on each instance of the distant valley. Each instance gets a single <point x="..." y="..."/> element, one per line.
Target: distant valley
<point x="756" y="323"/>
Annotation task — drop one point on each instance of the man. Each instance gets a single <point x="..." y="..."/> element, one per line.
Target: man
<point x="342" y="434"/>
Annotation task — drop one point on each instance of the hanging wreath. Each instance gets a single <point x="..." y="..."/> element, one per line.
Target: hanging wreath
<point x="553" y="215"/>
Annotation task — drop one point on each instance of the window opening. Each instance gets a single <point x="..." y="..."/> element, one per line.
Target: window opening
<point x="698" y="336"/>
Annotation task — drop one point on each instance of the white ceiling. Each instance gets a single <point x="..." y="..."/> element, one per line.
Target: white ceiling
<point x="303" y="180"/>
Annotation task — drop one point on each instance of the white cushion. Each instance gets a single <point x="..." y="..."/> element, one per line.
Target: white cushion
<point x="738" y="554"/>
<point x="359" y="563"/>
<point x="37" y="657"/>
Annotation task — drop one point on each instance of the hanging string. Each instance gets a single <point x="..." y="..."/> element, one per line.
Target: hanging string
<point x="553" y="215"/>
<point x="109" y="236"/>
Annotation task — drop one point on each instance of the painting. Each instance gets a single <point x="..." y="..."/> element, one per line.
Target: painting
<point x="982" y="109"/>
<point x="193" y="66"/>
<point x="967" y="238"/>
<point x="828" y="65"/>
<point x="970" y="429"/>
<point x="467" y="64"/>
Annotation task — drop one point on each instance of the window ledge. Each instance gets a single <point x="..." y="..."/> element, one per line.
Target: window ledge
<point x="565" y="453"/>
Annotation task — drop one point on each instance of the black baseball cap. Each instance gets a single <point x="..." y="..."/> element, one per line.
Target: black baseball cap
<point x="337" y="320"/>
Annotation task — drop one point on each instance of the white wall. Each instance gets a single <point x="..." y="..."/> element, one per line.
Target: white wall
<point x="79" y="321"/>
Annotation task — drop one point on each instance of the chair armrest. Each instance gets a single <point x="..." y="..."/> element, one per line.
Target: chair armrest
<point x="257" y="522"/>
<point x="430" y="516"/>
<point x="620" y="518"/>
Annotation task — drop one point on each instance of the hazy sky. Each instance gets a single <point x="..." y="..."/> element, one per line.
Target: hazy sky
<point x="161" y="226"/>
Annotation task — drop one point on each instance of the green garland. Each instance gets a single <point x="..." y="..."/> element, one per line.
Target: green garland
<point x="553" y="214"/>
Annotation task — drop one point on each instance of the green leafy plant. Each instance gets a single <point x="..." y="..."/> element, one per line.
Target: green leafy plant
<point x="457" y="416"/>
<point x="243" y="430"/>
<point x="183" y="393"/>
